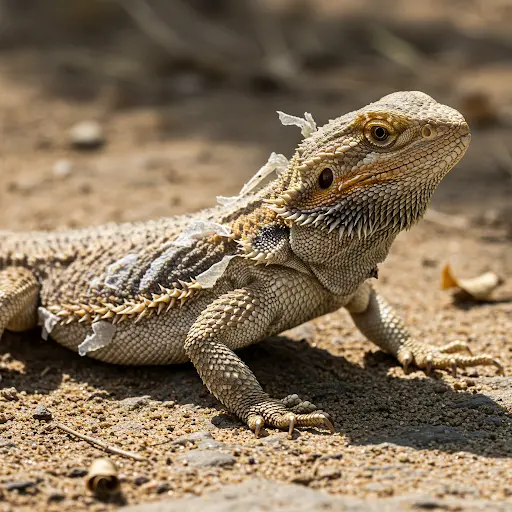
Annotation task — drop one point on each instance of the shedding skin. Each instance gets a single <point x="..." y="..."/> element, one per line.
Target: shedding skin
<point x="199" y="287"/>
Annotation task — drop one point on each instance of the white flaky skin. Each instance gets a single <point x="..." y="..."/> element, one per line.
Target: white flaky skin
<point x="200" y="286"/>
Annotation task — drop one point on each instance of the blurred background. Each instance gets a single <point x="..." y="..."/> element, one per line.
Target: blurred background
<point x="128" y="109"/>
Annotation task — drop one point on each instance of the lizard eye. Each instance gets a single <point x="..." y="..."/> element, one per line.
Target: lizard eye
<point x="326" y="178"/>
<point x="379" y="133"/>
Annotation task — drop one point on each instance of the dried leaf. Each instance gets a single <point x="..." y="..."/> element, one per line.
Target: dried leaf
<point x="478" y="288"/>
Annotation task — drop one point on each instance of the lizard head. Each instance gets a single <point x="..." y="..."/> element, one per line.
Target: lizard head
<point x="372" y="170"/>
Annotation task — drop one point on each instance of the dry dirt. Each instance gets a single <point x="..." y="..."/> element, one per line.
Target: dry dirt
<point x="395" y="433"/>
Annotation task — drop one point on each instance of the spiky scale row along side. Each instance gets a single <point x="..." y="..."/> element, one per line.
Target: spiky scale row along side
<point x="117" y="311"/>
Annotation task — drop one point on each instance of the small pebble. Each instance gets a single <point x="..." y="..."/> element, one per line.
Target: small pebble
<point x="429" y="262"/>
<point x="10" y="394"/>
<point x="77" y="473"/>
<point x="134" y="402"/>
<point x="162" y="488"/>
<point x="206" y="459"/>
<point x="140" y="480"/>
<point x="460" y="385"/>
<point x="42" y="413"/>
<point x="62" y="168"/>
<point x="19" y="485"/>
<point x="302" y="480"/>
<point x="328" y="473"/>
<point x="334" y="456"/>
<point x="87" y="135"/>
<point x="54" y="496"/>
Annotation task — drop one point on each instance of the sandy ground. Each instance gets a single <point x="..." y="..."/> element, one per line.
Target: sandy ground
<point x="395" y="433"/>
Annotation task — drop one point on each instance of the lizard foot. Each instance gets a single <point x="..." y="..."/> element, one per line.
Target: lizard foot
<point x="449" y="356"/>
<point x="288" y="413"/>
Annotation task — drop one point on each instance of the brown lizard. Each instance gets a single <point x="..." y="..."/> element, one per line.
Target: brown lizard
<point x="198" y="287"/>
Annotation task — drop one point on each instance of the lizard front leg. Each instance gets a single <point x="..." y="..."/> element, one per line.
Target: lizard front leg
<point x="375" y="318"/>
<point x="235" y="320"/>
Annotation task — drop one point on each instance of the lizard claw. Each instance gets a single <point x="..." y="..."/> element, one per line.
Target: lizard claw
<point x="501" y="369"/>
<point x="453" y="365"/>
<point x="448" y="357"/>
<point x="428" y="366"/>
<point x="274" y="413"/>
<point x="328" y="423"/>
<point x="257" y="425"/>
<point x="406" y="361"/>
<point x="291" y="426"/>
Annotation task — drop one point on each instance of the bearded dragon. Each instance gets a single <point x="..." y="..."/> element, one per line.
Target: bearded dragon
<point x="198" y="287"/>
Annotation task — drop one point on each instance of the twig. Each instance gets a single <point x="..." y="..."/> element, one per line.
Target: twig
<point x="98" y="442"/>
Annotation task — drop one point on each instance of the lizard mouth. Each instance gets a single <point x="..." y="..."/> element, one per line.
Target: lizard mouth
<point x="328" y="218"/>
<point x="369" y="179"/>
<point x="280" y="204"/>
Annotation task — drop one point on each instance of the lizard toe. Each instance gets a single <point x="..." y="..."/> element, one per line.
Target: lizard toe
<point x="428" y="358"/>
<point x="455" y="347"/>
<point x="256" y="423"/>
<point x="273" y="413"/>
<point x="316" y="419"/>
<point x="406" y="359"/>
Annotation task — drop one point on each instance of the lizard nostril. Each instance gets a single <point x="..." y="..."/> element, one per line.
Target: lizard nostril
<point x="464" y="128"/>
<point x="466" y="139"/>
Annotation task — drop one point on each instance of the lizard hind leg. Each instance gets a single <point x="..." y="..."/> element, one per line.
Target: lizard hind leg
<point x="19" y="291"/>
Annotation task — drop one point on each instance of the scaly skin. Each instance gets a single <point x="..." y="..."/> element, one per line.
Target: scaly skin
<point x="303" y="246"/>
